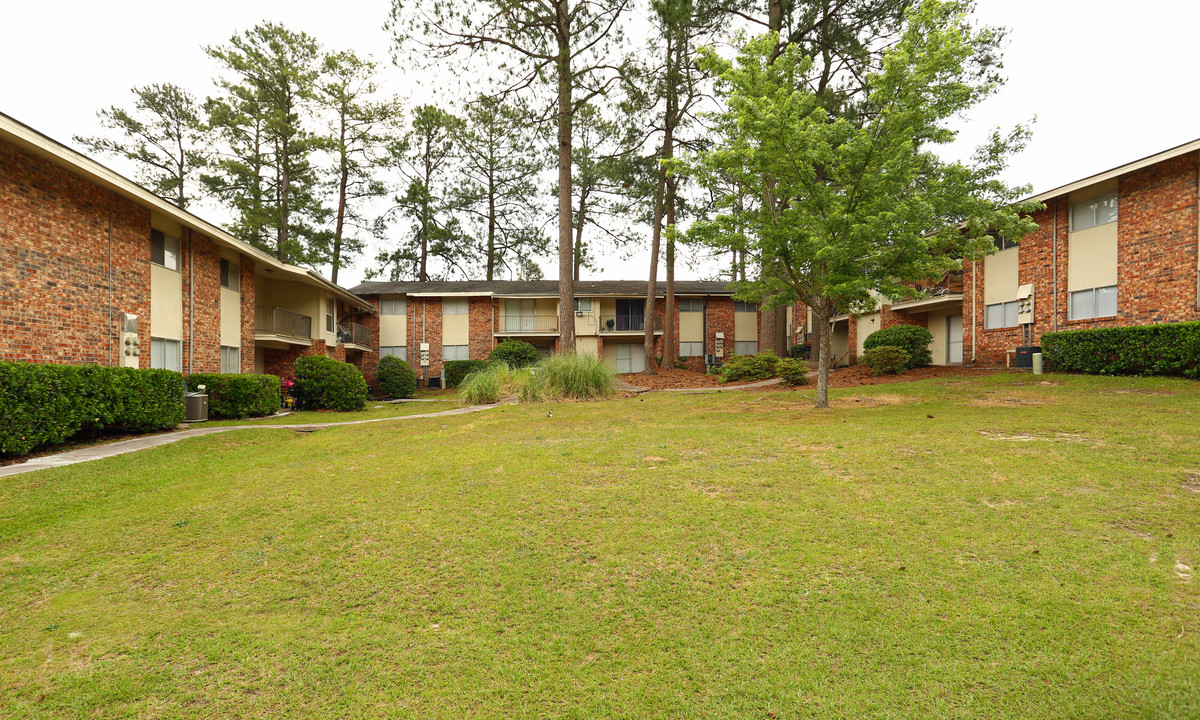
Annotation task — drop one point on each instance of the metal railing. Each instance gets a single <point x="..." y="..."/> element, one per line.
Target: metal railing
<point x="526" y="324"/>
<point x="350" y="332"/>
<point x="277" y="321"/>
<point x="627" y="323"/>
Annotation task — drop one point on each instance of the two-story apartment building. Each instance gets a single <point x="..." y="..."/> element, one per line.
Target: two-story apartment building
<point x="428" y="323"/>
<point x="95" y="269"/>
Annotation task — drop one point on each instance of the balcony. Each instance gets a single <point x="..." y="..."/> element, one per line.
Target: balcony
<point x="527" y="325"/>
<point x="612" y="324"/>
<point x="350" y="333"/>
<point x="283" y="324"/>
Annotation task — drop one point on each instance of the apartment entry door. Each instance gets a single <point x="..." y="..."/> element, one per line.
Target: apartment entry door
<point x="631" y="357"/>
<point x="954" y="339"/>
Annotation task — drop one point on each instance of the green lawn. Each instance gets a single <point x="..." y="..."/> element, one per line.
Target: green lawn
<point x="1026" y="552"/>
<point x="374" y="411"/>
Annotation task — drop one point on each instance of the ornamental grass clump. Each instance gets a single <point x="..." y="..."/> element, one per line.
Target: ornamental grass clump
<point x="569" y="376"/>
<point x="488" y="385"/>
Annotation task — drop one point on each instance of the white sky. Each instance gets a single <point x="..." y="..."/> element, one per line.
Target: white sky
<point x="1109" y="82"/>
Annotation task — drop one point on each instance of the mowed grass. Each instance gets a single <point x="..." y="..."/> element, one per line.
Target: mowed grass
<point x="1026" y="552"/>
<point x="373" y="411"/>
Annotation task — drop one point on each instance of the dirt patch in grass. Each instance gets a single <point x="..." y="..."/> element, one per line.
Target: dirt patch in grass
<point x="866" y="401"/>
<point x="1191" y="481"/>
<point x="1056" y="437"/>
<point x="1006" y="399"/>
<point x="857" y="375"/>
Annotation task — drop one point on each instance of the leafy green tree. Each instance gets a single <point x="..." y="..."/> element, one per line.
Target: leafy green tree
<point x="164" y="135"/>
<point x="501" y="192"/>
<point x="846" y="206"/>
<point x="357" y="136"/>
<point x="427" y="157"/>
<point x="267" y="174"/>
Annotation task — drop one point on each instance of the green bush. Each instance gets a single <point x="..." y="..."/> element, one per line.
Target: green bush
<point x="886" y="360"/>
<point x="909" y="338"/>
<point x="235" y="396"/>
<point x="515" y="354"/>
<point x="42" y="405"/>
<point x="395" y="377"/>
<point x="792" y="372"/>
<point x="323" y="383"/>
<point x="750" y="367"/>
<point x="799" y="351"/>
<point x="1170" y="349"/>
<point x="487" y="386"/>
<point x="456" y="370"/>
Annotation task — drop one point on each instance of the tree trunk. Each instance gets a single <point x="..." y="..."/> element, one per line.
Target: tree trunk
<point x="566" y="258"/>
<point x="651" y="286"/>
<point x="341" y="213"/>
<point x="577" y="251"/>
<point x="821" y="318"/>
<point x="491" y="240"/>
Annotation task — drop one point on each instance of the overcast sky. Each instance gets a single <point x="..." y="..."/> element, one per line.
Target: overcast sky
<point x="1108" y="82"/>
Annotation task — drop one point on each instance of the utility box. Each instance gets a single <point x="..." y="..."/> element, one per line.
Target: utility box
<point x="719" y="345"/>
<point x="195" y="407"/>
<point x="129" y="346"/>
<point x="1025" y="304"/>
<point x="424" y="354"/>
<point x="1024" y="357"/>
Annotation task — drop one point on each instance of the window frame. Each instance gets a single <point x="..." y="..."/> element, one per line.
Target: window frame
<point x="387" y="306"/>
<point x="158" y="348"/>
<point x="692" y="345"/>
<point x="742" y="344"/>
<point x="579" y="306"/>
<point x="1004" y="312"/>
<point x="465" y="351"/>
<point x="400" y="351"/>
<point x="1095" y="201"/>
<point x="1094" y="301"/>
<point x="171" y="249"/>
<point x="739" y="306"/>
<point x="330" y="315"/>
<point x="237" y="359"/>
<point x="231" y="275"/>
<point x="694" y="305"/>
<point x="450" y="306"/>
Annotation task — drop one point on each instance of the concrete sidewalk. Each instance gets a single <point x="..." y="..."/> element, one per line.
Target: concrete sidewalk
<point x="97" y="452"/>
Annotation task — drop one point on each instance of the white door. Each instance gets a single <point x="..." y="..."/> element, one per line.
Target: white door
<point x="954" y="339"/>
<point x="631" y="358"/>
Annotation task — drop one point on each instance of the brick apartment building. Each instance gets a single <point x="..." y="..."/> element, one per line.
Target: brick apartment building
<point x="95" y="269"/>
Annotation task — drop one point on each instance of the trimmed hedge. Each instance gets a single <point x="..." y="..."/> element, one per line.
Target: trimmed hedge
<point x="750" y="367"/>
<point x="43" y="405"/>
<point x="396" y="377"/>
<point x="235" y="395"/>
<point x="456" y="370"/>
<point x="515" y="354"/>
<point x="909" y="338"/>
<point x="886" y="360"/>
<point x="326" y="384"/>
<point x="1169" y="349"/>
<point x="792" y="372"/>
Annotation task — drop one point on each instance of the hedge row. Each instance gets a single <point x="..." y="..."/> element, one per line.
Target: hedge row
<point x="235" y="396"/>
<point x="43" y="405"/>
<point x="456" y="370"/>
<point x="1172" y="349"/>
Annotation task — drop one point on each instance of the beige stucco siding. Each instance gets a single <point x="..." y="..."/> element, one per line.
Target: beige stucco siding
<point x="165" y="224"/>
<point x="867" y="324"/>
<point x="1000" y="277"/>
<point x="691" y="327"/>
<point x="231" y="318"/>
<point x="587" y="346"/>
<point x="745" y="326"/>
<point x="166" y="303"/>
<point x="840" y="343"/>
<point x="587" y="322"/>
<point x="454" y="329"/>
<point x="941" y="339"/>
<point x="393" y="330"/>
<point x="1092" y="258"/>
<point x="294" y="297"/>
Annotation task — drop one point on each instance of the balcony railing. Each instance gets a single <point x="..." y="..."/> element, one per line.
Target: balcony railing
<point x="512" y="324"/>
<point x="349" y="332"/>
<point x="277" y="321"/>
<point x="627" y="323"/>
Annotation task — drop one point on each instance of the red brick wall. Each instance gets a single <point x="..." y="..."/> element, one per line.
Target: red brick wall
<point x="204" y="312"/>
<point x="720" y="319"/>
<point x="368" y="361"/>
<point x="479" y="327"/>
<point x="425" y="325"/>
<point x="63" y="278"/>
<point x="247" y="265"/>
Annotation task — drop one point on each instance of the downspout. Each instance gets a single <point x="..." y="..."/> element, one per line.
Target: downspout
<point x="974" y="310"/>
<point x="111" y="296"/>
<point x="1054" y="262"/>
<point x="191" y="299"/>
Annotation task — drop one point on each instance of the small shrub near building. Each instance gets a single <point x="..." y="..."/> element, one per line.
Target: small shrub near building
<point x="909" y="338"/>
<point x="456" y="370"/>
<point x="44" y="405"/>
<point x="1168" y="349"/>
<point x="395" y="377"/>
<point x="515" y="354"/>
<point x="235" y="396"/>
<point x="326" y="384"/>
<point x="748" y="368"/>
<point x="886" y="360"/>
<point x="792" y="372"/>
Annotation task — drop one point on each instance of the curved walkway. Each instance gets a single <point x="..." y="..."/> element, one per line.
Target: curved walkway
<point x="97" y="452"/>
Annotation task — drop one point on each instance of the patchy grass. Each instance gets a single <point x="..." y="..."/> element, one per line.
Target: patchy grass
<point x="716" y="555"/>
<point x="374" y="411"/>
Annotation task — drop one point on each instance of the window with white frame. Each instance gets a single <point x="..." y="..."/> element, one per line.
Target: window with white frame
<point x="231" y="275"/>
<point x="745" y="347"/>
<point x="455" y="352"/>
<point x="749" y="307"/>
<point x="393" y="306"/>
<point x="454" y="306"/>
<point x="231" y="359"/>
<point x="1000" y="315"/>
<point x="1092" y="303"/>
<point x="399" y="351"/>
<point x="690" y="305"/>
<point x="329" y="315"/>
<point x="691" y="349"/>
<point x="583" y="304"/>
<point x="164" y="250"/>
<point x="165" y="354"/>
<point x="1098" y="210"/>
<point x="1002" y="243"/>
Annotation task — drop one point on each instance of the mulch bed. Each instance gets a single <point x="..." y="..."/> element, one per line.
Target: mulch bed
<point x="855" y="376"/>
<point x="672" y="378"/>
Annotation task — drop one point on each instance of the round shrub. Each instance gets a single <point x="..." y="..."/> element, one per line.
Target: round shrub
<point x="750" y="367"/>
<point x="799" y="351"/>
<point x="322" y="383"/>
<point x="886" y="360"/>
<point x="792" y="372"/>
<point x="396" y="377"/>
<point x="909" y="338"/>
<point x="515" y="354"/>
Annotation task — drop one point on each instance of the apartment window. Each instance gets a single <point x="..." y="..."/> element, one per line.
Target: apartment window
<point x="399" y="351"/>
<point x="691" y="305"/>
<point x="329" y="317"/>
<point x="454" y="352"/>
<point x="691" y="349"/>
<point x="1099" y="210"/>
<point x="231" y="359"/>
<point x="1092" y="303"/>
<point x="397" y="306"/>
<point x="231" y="275"/>
<point x="583" y="304"/>
<point x="165" y="354"/>
<point x="164" y="250"/>
<point x="745" y="347"/>
<point x="1002" y="243"/>
<point x="747" y="307"/>
<point x="454" y="306"/>
<point x="1000" y="315"/>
